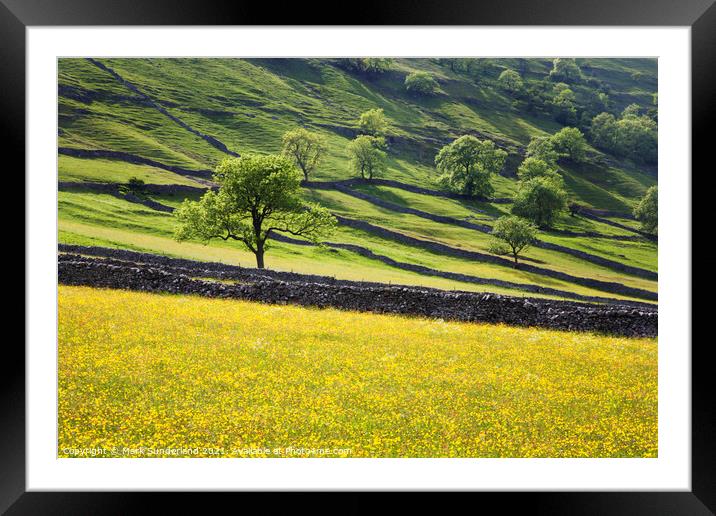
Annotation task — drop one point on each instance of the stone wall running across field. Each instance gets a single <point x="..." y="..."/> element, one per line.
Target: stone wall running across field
<point x="461" y="306"/>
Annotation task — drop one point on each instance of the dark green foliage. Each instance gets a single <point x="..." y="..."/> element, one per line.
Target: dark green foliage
<point x="511" y="82"/>
<point x="565" y="70"/>
<point x="633" y="136"/>
<point x="647" y="211"/>
<point x="467" y="164"/>
<point x="134" y="185"/>
<point x="570" y="143"/>
<point x="603" y="131"/>
<point x="421" y="83"/>
<point x="540" y="200"/>
<point x="543" y="149"/>
<point x="369" y="65"/>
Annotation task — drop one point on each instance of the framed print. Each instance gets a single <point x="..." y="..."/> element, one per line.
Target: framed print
<point x="418" y="253"/>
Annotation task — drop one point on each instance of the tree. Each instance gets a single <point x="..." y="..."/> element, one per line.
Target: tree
<point x="367" y="158"/>
<point x="603" y="131"/>
<point x="477" y="68"/>
<point x="563" y="104"/>
<point x="565" y="70"/>
<point x="456" y="64"/>
<point x="467" y="164"/>
<point x="631" y="110"/>
<point x="647" y="211"/>
<point x="514" y="232"/>
<point x="370" y="65"/>
<point x="535" y="167"/>
<point x="597" y="102"/>
<point x="256" y="195"/>
<point x="373" y="123"/>
<point x="135" y="186"/>
<point x="540" y="200"/>
<point x="511" y="81"/>
<point x="542" y="148"/>
<point x="634" y="135"/>
<point x="422" y="83"/>
<point x="305" y="148"/>
<point x="637" y="138"/>
<point x="569" y="142"/>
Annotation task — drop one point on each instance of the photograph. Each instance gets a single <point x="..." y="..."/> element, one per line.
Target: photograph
<point x="357" y="257"/>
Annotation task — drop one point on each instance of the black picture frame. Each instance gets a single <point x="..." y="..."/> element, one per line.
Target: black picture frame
<point x="17" y="15"/>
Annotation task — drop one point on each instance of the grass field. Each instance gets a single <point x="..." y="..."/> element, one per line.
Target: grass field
<point x="99" y="219"/>
<point x="248" y="104"/>
<point x="222" y="376"/>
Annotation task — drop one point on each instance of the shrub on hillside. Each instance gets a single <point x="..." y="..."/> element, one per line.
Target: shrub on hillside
<point x="421" y="83"/>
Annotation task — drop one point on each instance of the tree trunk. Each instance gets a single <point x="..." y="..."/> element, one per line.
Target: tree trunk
<point x="259" y="254"/>
<point x="515" y="255"/>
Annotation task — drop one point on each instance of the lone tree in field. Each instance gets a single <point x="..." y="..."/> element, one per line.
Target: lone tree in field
<point x="512" y="235"/>
<point x="421" y="83"/>
<point x="257" y="195"/>
<point x="540" y="200"/>
<point x="373" y="123"/>
<point x="367" y="158"/>
<point x="305" y="148"/>
<point x="467" y="164"/>
<point x="647" y="211"/>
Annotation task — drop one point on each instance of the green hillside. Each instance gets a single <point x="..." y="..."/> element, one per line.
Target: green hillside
<point x="168" y="121"/>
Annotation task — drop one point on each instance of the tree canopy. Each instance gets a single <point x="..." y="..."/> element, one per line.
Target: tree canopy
<point x="565" y="70"/>
<point x="511" y="81"/>
<point x="569" y="142"/>
<point x="257" y="195"/>
<point x="367" y="158"/>
<point x="542" y="148"/>
<point x="535" y="167"/>
<point x="467" y="164"/>
<point x="647" y="211"/>
<point x="373" y="123"/>
<point x="421" y="83"/>
<point x="369" y="65"/>
<point x="634" y="135"/>
<point x="540" y="200"/>
<point x="305" y="148"/>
